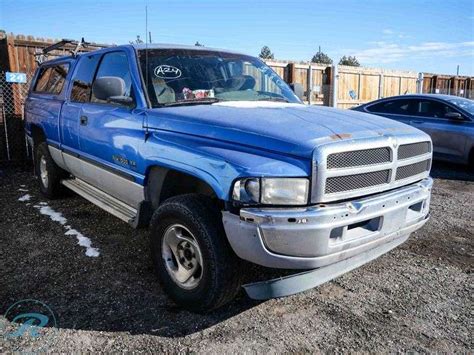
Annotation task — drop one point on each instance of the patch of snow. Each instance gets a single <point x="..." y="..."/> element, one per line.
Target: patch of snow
<point x="22" y="185"/>
<point x="23" y="190"/>
<point x="82" y="240"/>
<point x="55" y="216"/>
<point x="24" y="198"/>
<point x="257" y="104"/>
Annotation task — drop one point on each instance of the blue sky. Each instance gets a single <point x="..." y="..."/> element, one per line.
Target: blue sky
<point x="430" y="36"/>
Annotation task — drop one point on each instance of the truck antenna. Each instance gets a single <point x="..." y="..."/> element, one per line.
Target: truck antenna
<point x="146" y="67"/>
<point x="146" y="45"/>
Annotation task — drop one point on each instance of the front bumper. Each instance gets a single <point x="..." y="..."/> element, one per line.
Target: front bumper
<point x="316" y="236"/>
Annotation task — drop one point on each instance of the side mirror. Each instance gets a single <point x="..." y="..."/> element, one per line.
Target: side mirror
<point x="453" y="116"/>
<point x="298" y="90"/>
<point x="111" y="89"/>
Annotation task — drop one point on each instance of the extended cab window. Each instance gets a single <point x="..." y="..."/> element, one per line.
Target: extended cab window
<point x="395" y="107"/>
<point x="115" y="64"/>
<point x="51" y="79"/>
<point x="83" y="76"/>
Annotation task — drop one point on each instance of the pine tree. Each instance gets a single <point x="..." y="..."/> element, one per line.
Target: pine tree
<point x="350" y="61"/>
<point x="321" y="57"/>
<point x="266" y="53"/>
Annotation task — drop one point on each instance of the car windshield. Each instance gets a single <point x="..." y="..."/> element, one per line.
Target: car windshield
<point x="180" y="76"/>
<point x="465" y="104"/>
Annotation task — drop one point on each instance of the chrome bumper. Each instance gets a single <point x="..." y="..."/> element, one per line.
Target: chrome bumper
<point x="313" y="237"/>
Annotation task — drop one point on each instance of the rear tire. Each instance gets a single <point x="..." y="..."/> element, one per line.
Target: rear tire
<point x="48" y="172"/>
<point x="193" y="259"/>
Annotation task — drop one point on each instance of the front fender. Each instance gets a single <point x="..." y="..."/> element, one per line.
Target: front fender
<point x="215" y="162"/>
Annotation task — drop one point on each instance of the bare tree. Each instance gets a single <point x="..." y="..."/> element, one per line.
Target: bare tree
<point x="137" y="41"/>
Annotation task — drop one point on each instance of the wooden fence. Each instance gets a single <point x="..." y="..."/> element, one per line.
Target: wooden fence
<point x="450" y="85"/>
<point x="358" y="85"/>
<point x="339" y="86"/>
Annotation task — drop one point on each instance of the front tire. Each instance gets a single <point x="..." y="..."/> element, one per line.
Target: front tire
<point x="193" y="259"/>
<point x="48" y="172"/>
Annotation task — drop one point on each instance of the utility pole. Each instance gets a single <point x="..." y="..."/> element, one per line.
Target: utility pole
<point x="457" y="70"/>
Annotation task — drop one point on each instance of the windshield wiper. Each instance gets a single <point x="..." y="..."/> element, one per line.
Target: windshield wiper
<point x="203" y="101"/>
<point x="279" y="99"/>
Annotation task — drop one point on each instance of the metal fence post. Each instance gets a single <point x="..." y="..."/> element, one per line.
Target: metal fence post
<point x="334" y="79"/>
<point x="6" y="133"/>
<point x="419" y="84"/>
<point x="310" y="83"/>
<point x="380" y="86"/>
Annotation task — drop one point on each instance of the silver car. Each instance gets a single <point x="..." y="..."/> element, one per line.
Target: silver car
<point x="449" y="120"/>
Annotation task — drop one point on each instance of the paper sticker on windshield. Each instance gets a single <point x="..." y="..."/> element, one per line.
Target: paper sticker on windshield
<point x="167" y="72"/>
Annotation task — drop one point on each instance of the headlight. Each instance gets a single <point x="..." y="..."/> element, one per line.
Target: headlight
<point x="272" y="191"/>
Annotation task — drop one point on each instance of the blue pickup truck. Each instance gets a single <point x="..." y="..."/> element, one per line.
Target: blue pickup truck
<point x="220" y="158"/>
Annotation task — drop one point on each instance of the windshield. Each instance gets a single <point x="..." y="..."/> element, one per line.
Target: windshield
<point x="465" y="104"/>
<point x="192" y="76"/>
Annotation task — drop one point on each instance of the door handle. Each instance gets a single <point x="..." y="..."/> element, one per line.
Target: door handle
<point x="417" y="122"/>
<point x="83" y="120"/>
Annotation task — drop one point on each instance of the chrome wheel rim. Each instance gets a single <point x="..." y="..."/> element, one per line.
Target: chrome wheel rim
<point x="43" y="171"/>
<point x="182" y="256"/>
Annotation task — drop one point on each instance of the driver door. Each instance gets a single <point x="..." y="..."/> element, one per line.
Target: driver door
<point x="110" y="134"/>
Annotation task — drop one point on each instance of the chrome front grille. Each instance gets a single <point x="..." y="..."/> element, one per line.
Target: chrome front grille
<point x="404" y="172"/>
<point x="412" y="150"/>
<point x="351" y="168"/>
<point x="357" y="181"/>
<point x="358" y="158"/>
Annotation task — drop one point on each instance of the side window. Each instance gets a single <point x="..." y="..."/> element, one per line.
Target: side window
<point x="396" y="107"/>
<point x="429" y="108"/>
<point x="115" y="64"/>
<point x="51" y="79"/>
<point x="83" y="76"/>
<point x="42" y="81"/>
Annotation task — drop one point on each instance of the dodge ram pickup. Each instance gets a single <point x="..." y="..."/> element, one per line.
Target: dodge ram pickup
<point x="226" y="165"/>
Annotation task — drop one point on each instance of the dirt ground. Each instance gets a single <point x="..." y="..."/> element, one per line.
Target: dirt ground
<point x="418" y="297"/>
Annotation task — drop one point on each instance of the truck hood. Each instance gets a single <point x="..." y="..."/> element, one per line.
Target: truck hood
<point x="292" y="129"/>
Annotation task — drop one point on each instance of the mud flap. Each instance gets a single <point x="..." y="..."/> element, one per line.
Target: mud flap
<point x="292" y="284"/>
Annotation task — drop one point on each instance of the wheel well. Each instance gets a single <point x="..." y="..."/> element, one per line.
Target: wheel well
<point x="37" y="135"/>
<point x="163" y="183"/>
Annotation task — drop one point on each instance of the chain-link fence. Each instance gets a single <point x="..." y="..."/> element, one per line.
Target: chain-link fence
<point x="13" y="145"/>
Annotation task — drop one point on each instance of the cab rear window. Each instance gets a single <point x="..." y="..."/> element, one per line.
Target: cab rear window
<point x="51" y="79"/>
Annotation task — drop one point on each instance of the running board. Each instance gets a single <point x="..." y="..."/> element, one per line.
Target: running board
<point x="101" y="199"/>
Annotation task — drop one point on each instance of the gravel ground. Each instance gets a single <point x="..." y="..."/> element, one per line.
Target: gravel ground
<point x="416" y="298"/>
